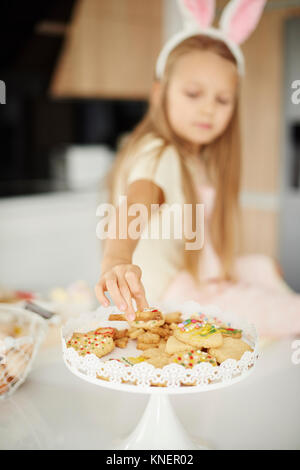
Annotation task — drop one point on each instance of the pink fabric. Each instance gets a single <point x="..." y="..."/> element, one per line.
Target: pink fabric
<point x="260" y="294"/>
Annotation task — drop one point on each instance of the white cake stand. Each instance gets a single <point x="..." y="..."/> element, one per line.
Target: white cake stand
<point x="159" y="427"/>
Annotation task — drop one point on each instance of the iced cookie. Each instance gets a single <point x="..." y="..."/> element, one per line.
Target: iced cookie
<point x="204" y="318"/>
<point x="147" y="319"/>
<point x="174" y="345"/>
<point x="99" y="342"/>
<point x="130" y="361"/>
<point x="198" y="334"/>
<point x="233" y="333"/>
<point x="232" y="348"/>
<point x="191" y="358"/>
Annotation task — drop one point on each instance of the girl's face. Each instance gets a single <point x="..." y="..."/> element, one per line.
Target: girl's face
<point x="201" y="96"/>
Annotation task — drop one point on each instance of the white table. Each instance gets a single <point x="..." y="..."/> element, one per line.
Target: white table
<point x="56" y="410"/>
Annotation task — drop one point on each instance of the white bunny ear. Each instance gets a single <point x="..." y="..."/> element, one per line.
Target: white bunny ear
<point x="240" y="18"/>
<point x="197" y="12"/>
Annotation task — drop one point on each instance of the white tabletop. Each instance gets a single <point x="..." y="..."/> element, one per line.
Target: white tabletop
<point x="56" y="410"/>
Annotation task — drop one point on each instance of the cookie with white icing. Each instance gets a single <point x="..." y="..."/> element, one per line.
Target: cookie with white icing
<point x="198" y="334"/>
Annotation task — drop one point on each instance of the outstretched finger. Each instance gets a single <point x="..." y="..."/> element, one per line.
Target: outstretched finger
<point x="114" y="291"/>
<point x="137" y="289"/>
<point x="124" y="288"/>
<point x="99" y="291"/>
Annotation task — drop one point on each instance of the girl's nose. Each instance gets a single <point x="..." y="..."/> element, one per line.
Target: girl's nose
<point x="208" y="107"/>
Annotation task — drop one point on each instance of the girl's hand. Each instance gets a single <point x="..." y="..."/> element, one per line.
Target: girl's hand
<point x="123" y="283"/>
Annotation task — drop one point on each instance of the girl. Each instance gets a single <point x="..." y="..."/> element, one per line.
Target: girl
<point x="187" y="150"/>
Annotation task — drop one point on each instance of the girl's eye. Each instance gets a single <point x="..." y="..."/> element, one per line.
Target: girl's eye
<point x="223" y="101"/>
<point x="192" y="95"/>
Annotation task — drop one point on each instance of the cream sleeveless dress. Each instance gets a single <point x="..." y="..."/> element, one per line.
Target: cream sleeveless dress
<point x="260" y="293"/>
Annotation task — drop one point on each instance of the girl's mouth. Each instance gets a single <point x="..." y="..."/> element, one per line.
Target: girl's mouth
<point x="203" y="125"/>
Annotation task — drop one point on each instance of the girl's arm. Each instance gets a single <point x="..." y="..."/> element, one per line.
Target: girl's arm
<point x="119" y="276"/>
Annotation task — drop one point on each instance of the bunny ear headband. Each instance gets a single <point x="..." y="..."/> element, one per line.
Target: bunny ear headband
<point x="239" y="19"/>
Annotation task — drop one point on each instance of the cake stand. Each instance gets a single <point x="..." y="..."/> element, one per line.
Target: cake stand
<point x="159" y="427"/>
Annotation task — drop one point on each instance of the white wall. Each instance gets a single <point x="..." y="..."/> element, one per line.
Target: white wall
<point x="172" y="20"/>
<point x="49" y="240"/>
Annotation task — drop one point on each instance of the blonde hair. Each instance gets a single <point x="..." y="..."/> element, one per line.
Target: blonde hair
<point x="221" y="157"/>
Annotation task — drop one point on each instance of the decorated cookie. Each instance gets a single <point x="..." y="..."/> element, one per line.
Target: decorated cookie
<point x="232" y="348"/>
<point x="198" y="334"/>
<point x="233" y="333"/>
<point x="107" y="331"/>
<point x="223" y="328"/>
<point x="99" y="342"/>
<point x="204" y="318"/>
<point x="193" y="357"/>
<point x="147" y="319"/>
<point x="130" y="361"/>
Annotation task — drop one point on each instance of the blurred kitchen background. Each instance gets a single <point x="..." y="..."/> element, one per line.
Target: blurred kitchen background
<point x="78" y="75"/>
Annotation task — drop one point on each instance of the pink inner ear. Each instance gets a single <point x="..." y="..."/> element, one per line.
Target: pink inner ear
<point x="202" y="10"/>
<point x="245" y="19"/>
